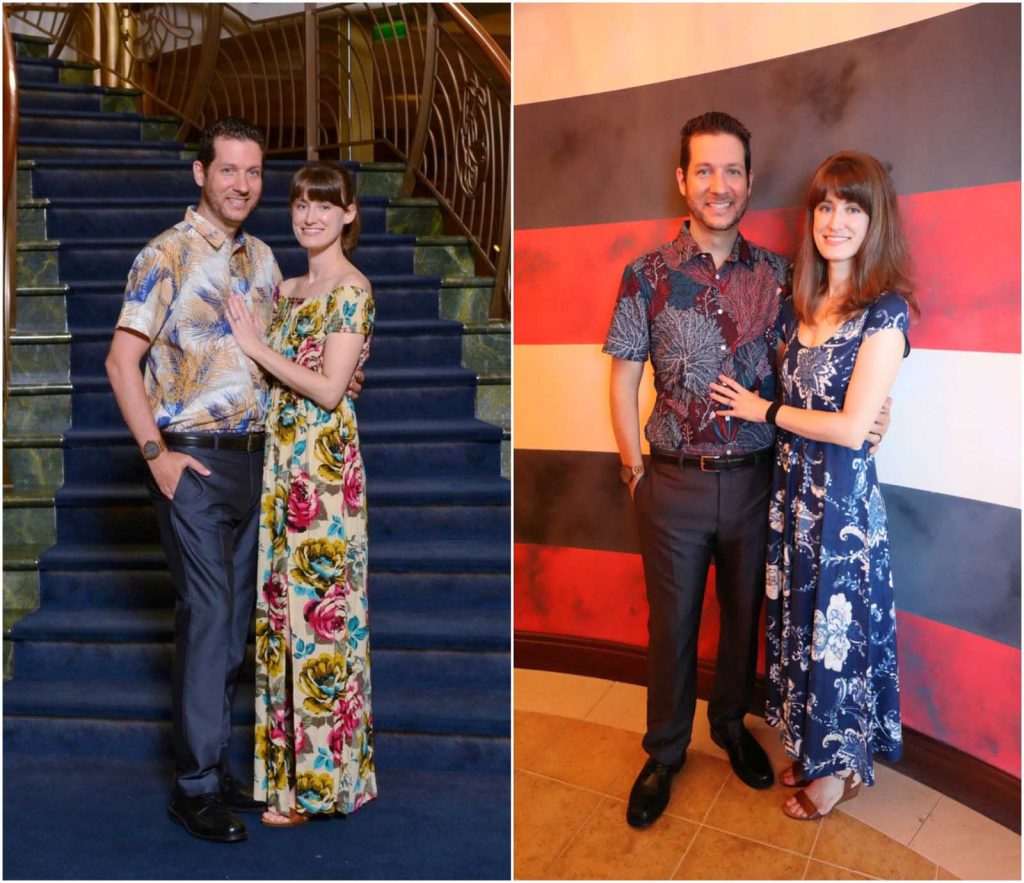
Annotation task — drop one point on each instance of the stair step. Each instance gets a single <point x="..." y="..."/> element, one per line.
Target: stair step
<point x="128" y="740"/>
<point x="405" y="630"/>
<point x="74" y="98"/>
<point x="134" y="589"/>
<point x="437" y="556"/>
<point x="438" y="711"/>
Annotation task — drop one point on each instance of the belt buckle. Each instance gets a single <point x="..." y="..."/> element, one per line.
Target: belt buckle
<point x="704" y="457"/>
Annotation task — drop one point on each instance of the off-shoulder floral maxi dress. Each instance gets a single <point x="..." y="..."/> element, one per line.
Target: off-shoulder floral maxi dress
<point x="314" y="727"/>
<point x="833" y="685"/>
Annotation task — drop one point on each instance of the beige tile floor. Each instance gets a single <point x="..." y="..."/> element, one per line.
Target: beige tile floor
<point x="577" y="750"/>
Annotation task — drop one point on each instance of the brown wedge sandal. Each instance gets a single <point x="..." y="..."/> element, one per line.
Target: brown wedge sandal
<point x="796" y="770"/>
<point x="812" y="812"/>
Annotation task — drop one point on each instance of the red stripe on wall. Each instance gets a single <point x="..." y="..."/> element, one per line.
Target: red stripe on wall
<point x="965" y="244"/>
<point x="962" y="689"/>
<point x="954" y="685"/>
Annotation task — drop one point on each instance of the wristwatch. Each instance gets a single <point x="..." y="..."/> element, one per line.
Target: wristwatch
<point x="628" y="473"/>
<point x="153" y="449"/>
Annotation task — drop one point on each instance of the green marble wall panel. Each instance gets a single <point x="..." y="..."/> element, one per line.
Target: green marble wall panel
<point x="40" y="313"/>
<point x="28" y="524"/>
<point x="31" y="222"/>
<point x="8" y="659"/>
<point x="444" y="260"/>
<point x="494" y="404"/>
<point x="24" y="183"/>
<point x="506" y="458"/>
<point x="423" y="219"/>
<point x="378" y="182"/>
<point x="28" y="47"/>
<point x="77" y="75"/>
<point x="21" y="592"/>
<point x="33" y="362"/>
<point x="119" y="103"/>
<point x="37" y="267"/>
<point x="31" y="468"/>
<point x="159" y="130"/>
<point x="488" y="352"/>
<point x="38" y="414"/>
<point x="468" y="305"/>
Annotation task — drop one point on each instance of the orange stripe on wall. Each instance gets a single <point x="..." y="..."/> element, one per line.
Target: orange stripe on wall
<point x="566" y="278"/>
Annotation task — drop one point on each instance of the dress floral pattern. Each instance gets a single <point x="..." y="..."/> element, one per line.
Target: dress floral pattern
<point x="314" y="726"/>
<point x="833" y="686"/>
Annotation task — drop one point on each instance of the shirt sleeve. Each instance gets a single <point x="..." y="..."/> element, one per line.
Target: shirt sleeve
<point x="629" y="334"/>
<point x="889" y="311"/>
<point x="149" y="293"/>
<point x="350" y="310"/>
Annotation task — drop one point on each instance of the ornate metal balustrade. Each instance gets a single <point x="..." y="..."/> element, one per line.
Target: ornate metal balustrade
<point x="418" y="83"/>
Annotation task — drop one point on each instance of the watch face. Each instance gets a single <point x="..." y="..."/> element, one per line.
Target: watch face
<point x="151" y="450"/>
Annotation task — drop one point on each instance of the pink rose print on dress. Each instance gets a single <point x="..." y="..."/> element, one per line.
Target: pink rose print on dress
<point x="275" y="592"/>
<point x="303" y="501"/>
<point x="310" y="354"/>
<point x="352" y="471"/>
<point x="326" y="616"/>
<point x="300" y="738"/>
<point x="348" y="713"/>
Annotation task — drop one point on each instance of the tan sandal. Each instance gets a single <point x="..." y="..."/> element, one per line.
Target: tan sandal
<point x="808" y="806"/>
<point x="292" y="820"/>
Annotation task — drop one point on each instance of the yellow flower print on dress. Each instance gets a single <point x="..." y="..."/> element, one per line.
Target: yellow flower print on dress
<point x="275" y="508"/>
<point x="290" y="419"/>
<point x="270" y="649"/>
<point x="319" y="563"/>
<point x="309" y="322"/>
<point x="315" y="791"/>
<point x="322" y="681"/>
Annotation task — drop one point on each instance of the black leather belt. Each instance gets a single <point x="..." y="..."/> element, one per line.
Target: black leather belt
<point x="224" y="441"/>
<point x="708" y="463"/>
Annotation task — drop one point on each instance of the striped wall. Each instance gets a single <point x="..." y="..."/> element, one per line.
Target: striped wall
<point x="934" y="90"/>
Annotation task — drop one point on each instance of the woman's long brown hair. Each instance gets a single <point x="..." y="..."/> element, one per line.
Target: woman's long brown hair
<point x="883" y="261"/>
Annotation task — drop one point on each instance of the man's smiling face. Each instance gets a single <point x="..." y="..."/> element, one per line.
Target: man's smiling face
<point x="716" y="185"/>
<point x="232" y="184"/>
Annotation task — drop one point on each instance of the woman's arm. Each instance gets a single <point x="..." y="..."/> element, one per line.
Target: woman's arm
<point x="874" y="373"/>
<point x="341" y="355"/>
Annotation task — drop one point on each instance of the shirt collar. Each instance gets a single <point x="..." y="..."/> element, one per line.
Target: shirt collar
<point x="210" y="232"/>
<point x="688" y="248"/>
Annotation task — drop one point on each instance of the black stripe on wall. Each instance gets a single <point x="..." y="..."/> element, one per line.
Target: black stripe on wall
<point x="955" y="561"/>
<point x="938" y="99"/>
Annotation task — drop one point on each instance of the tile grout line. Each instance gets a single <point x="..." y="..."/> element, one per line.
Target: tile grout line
<point x="686" y="852"/>
<point x="590" y="711"/>
<point x="924" y="821"/>
<point x="575" y="833"/>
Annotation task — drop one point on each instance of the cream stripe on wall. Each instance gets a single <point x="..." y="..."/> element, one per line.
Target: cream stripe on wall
<point x="947" y="437"/>
<point x="556" y="45"/>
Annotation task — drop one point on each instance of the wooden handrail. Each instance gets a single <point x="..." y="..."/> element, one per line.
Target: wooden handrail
<point x="10" y="109"/>
<point x="485" y="41"/>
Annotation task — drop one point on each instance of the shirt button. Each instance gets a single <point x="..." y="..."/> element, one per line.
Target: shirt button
<point x="722" y="347"/>
<point x="720" y="311"/>
<point x="717" y="276"/>
<point x="728" y="453"/>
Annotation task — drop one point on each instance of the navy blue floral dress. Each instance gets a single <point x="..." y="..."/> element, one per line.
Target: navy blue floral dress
<point x="833" y="686"/>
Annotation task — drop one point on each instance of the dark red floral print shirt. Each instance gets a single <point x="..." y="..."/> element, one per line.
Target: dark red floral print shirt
<point x="695" y="322"/>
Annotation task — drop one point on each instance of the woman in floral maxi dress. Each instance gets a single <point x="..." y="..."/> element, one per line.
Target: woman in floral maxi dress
<point x="831" y="624"/>
<point x="314" y="730"/>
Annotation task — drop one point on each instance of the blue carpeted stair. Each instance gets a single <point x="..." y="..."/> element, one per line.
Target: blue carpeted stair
<point x="86" y="714"/>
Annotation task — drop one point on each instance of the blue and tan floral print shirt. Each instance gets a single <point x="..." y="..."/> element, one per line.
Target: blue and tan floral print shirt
<point x="695" y="322"/>
<point x="196" y="377"/>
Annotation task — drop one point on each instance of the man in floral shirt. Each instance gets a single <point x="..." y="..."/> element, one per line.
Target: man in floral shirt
<point x="197" y="415"/>
<point x="702" y="305"/>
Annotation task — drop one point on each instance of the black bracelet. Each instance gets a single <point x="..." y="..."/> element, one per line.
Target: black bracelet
<point x="773" y="410"/>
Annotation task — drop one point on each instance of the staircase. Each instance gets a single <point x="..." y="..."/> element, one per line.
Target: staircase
<point x="87" y="597"/>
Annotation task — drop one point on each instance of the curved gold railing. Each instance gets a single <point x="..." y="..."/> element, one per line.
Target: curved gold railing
<point x="420" y="83"/>
<point x="10" y="174"/>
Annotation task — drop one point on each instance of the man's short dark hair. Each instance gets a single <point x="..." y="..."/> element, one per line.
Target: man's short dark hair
<point x="227" y="127"/>
<point x="713" y="122"/>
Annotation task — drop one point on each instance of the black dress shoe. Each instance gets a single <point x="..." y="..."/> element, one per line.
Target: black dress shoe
<point x="650" y="793"/>
<point x="747" y="757"/>
<point x="237" y="796"/>
<point x="205" y="816"/>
